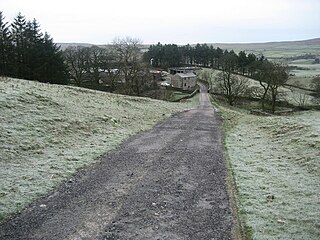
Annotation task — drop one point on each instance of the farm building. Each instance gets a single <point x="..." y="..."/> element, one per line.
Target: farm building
<point x="184" y="81"/>
<point x="175" y="70"/>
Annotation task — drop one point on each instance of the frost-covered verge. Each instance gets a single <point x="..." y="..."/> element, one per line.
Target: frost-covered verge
<point x="49" y="131"/>
<point x="275" y="163"/>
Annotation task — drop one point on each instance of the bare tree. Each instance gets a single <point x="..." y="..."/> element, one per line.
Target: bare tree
<point x="95" y="61"/>
<point x="271" y="76"/>
<point x="230" y="85"/>
<point x="131" y="65"/>
<point x="263" y="75"/>
<point x="77" y="60"/>
<point x="279" y="76"/>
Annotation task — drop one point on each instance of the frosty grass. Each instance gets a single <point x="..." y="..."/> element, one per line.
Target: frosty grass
<point x="49" y="131"/>
<point x="276" y="166"/>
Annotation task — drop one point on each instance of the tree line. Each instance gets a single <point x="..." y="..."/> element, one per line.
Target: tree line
<point x="172" y="55"/>
<point x="270" y="75"/>
<point x="119" y="66"/>
<point x="27" y="53"/>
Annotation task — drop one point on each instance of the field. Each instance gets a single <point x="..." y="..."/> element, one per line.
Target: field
<point x="275" y="50"/>
<point x="275" y="165"/>
<point x="50" y="131"/>
<point x="295" y="53"/>
<point x="306" y="72"/>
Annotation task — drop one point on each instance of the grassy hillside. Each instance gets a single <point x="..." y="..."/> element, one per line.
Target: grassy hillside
<point x="276" y="168"/>
<point x="49" y="131"/>
<point x="272" y="50"/>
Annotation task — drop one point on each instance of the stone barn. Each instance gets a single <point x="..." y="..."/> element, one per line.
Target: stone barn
<point x="184" y="81"/>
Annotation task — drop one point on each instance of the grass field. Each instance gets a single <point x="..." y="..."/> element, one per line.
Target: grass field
<point x="305" y="74"/>
<point x="285" y="51"/>
<point x="274" y="50"/>
<point x="47" y="132"/>
<point x="276" y="168"/>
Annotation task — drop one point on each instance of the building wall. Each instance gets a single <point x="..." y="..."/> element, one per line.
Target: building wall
<point x="176" y="81"/>
<point x="185" y="83"/>
<point x="188" y="83"/>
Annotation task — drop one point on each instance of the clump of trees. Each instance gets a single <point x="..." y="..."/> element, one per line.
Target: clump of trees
<point x="27" y="53"/>
<point x="171" y="55"/>
<point x="119" y="66"/>
<point x="271" y="76"/>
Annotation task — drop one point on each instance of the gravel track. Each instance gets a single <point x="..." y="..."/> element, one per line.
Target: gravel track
<point x="167" y="183"/>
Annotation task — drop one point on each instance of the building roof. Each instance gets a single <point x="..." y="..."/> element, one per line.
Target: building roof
<point x="186" y="75"/>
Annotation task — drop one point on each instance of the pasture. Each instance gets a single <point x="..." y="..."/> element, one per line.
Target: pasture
<point x="276" y="50"/>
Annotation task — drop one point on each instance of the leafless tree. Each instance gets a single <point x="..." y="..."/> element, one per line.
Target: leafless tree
<point x="263" y="75"/>
<point x="77" y="60"/>
<point x="231" y="86"/>
<point x="279" y="76"/>
<point x="95" y="61"/>
<point x="271" y="76"/>
<point x="132" y="68"/>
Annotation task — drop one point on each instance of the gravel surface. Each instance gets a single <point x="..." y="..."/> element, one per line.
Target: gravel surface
<point x="167" y="183"/>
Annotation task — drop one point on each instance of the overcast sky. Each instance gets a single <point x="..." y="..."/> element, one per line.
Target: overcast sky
<point x="171" y="21"/>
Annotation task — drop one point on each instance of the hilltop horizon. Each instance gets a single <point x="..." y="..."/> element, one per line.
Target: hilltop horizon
<point x="312" y="40"/>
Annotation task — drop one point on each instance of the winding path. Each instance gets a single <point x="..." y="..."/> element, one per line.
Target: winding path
<point x="167" y="183"/>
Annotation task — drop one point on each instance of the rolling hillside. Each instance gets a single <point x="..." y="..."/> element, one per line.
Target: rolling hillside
<point x="50" y="131"/>
<point x="268" y="49"/>
<point x="285" y="49"/>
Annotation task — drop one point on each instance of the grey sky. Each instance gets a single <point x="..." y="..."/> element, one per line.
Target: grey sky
<point x="172" y="21"/>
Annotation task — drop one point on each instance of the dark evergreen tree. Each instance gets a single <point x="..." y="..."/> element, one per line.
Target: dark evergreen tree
<point x="18" y="35"/>
<point x="52" y="68"/>
<point x="5" y="48"/>
<point x="218" y="55"/>
<point x="252" y="59"/>
<point x="242" y="62"/>
<point x="34" y="55"/>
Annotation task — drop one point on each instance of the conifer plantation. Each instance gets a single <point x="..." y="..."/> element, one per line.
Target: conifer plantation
<point x="27" y="53"/>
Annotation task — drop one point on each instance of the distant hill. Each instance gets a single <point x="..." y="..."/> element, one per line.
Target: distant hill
<point x="275" y="49"/>
<point x="315" y="41"/>
<point x="269" y="49"/>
